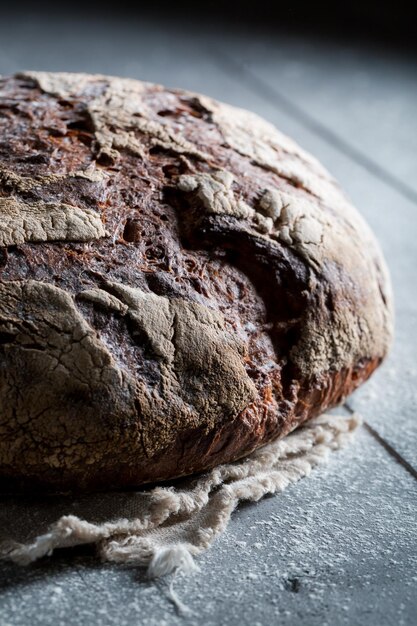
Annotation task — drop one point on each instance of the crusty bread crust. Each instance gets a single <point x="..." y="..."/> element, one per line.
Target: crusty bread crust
<point x="179" y="284"/>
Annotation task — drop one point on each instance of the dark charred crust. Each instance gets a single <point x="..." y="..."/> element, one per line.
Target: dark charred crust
<point x="302" y="323"/>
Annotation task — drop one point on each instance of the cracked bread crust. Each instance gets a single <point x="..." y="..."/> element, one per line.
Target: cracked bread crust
<point x="179" y="284"/>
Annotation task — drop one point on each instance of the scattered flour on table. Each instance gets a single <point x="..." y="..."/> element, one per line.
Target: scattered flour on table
<point x="340" y="538"/>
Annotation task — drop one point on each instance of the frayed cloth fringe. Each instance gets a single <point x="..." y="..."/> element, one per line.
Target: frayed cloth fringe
<point x="172" y="526"/>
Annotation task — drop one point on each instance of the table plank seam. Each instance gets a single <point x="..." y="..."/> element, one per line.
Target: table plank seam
<point x="234" y="68"/>
<point x="387" y="446"/>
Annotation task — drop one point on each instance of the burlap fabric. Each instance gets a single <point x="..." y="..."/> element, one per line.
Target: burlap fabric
<point x="165" y="527"/>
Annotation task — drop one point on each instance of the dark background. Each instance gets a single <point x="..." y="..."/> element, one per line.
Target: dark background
<point x="388" y="20"/>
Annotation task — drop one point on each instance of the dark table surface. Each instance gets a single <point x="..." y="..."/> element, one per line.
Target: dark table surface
<point x="340" y="546"/>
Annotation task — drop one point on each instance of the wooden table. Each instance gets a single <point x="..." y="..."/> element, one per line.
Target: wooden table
<point x="339" y="547"/>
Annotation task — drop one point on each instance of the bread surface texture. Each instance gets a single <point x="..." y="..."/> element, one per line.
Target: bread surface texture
<point x="180" y="283"/>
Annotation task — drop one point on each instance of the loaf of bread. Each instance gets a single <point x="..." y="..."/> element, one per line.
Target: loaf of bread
<point x="180" y="284"/>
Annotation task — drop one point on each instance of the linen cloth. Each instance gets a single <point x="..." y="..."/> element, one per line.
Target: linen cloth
<point x="165" y="527"/>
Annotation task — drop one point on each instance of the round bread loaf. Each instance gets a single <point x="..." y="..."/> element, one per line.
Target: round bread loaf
<point x="179" y="284"/>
